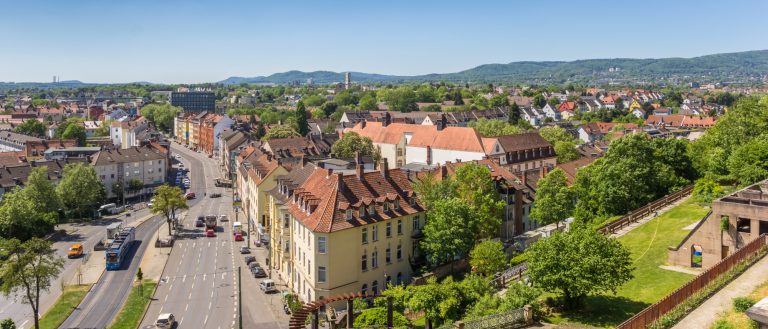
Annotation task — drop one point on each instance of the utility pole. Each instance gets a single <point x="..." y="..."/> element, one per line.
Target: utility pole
<point x="239" y="298"/>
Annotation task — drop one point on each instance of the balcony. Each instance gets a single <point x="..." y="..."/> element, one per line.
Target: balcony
<point x="417" y="234"/>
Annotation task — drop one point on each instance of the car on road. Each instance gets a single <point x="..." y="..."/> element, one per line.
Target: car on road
<point x="210" y="233"/>
<point x="238" y="237"/>
<point x="253" y="264"/>
<point x="249" y="259"/>
<point x="75" y="251"/>
<point x="245" y="250"/>
<point x="165" y="320"/>
<point x="223" y="218"/>
<point x="267" y="286"/>
<point x="258" y="272"/>
<point x="189" y="195"/>
<point x="199" y="223"/>
<point x="215" y="195"/>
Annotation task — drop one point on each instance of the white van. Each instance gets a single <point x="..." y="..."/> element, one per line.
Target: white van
<point x="165" y="320"/>
<point x="267" y="286"/>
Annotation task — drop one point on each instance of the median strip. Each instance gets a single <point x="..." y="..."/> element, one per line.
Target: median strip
<point x="133" y="309"/>
<point x="65" y="304"/>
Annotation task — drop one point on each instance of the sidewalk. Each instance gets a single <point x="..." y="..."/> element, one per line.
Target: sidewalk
<point x="647" y="218"/>
<point x="154" y="259"/>
<point x="706" y="314"/>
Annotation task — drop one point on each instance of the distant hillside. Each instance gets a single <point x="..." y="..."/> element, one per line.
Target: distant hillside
<point x="730" y="66"/>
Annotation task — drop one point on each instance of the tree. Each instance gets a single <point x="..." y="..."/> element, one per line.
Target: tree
<point x="103" y="129"/>
<point x="457" y="98"/>
<point x="578" y="263"/>
<point x="430" y="190"/>
<point x="140" y="280"/>
<point x="554" y="134"/>
<point x="500" y="100"/>
<point x="168" y="199"/>
<point x="748" y="164"/>
<point x="41" y="191"/>
<point x="707" y="190"/>
<point x="301" y="119"/>
<point x="553" y="101"/>
<point x="426" y="298"/>
<point x="446" y="233"/>
<point x="76" y="132"/>
<point x="260" y="131"/>
<point x="7" y="324"/>
<point x="30" y="268"/>
<point x="135" y="185"/>
<point x="476" y="188"/>
<point x="566" y="151"/>
<point x="161" y="114"/>
<point x="367" y="103"/>
<point x="21" y="217"/>
<point x="329" y="108"/>
<point x="377" y="316"/>
<point x="352" y="143"/>
<point x="539" y="101"/>
<point x="488" y="257"/>
<point x="280" y="131"/>
<point x="493" y="127"/>
<point x="402" y="99"/>
<point x="554" y="199"/>
<point x="31" y="128"/>
<point x="80" y="190"/>
<point x="118" y="189"/>
<point x="514" y="114"/>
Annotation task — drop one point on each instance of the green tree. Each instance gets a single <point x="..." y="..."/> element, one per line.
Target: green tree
<point x="80" y="190"/>
<point x="41" y="191"/>
<point x="329" y="108"/>
<point x="748" y="163"/>
<point x="554" y="102"/>
<point x="427" y="298"/>
<point x="488" y="257"/>
<point x="706" y="190"/>
<point x="7" y="324"/>
<point x="475" y="186"/>
<point x="135" y="185"/>
<point x="351" y="143"/>
<point x="578" y="263"/>
<point x="118" y="189"/>
<point x="314" y="100"/>
<point x="103" y="129"/>
<point x="539" y="101"/>
<point x="500" y="100"/>
<point x="161" y="114"/>
<point x="301" y="119"/>
<point x="446" y="233"/>
<point x="493" y="127"/>
<point x="76" y="132"/>
<point x="430" y="189"/>
<point x="566" y="151"/>
<point x="30" y="268"/>
<point x="168" y="199"/>
<point x="21" y="217"/>
<point x="554" y="199"/>
<point x="367" y="103"/>
<point x="345" y="98"/>
<point x="514" y="114"/>
<point x="140" y="280"/>
<point x="554" y="134"/>
<point x="402" y="99"/>
<point x="377" y="316"/>
<point x="457" y="98"/>
<point x="280" y="131"/>
<point x="31" y="128"/>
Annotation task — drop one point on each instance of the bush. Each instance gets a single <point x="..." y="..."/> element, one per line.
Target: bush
<point x="722" y="324"/>
<point x="741" y="304"/>
<point x="377" y="316"/>
<point x="519" y="259"/>
<point x="707" y="190"/>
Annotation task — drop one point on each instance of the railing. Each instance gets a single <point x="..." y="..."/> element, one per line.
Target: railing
<point x="512" y="319"/>
<point x="500" y="279"/>
<point x="637" y="214"/>
<point x="657" y="310"/>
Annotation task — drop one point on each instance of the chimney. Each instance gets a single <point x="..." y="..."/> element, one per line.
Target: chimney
<point x="443" y="171"/>
<point x="303" y="161"/>
<point x="387" y="119"/>
<point x="340" y="181"/>
<point x="440" y="125"/>
<point x="359" y="172"/>
<point x="362" y="124"/>
<point x="384" y="168"/>
<point x="330" y="172"/>
<point x="429" y="155"/>
<point x="543" y="171"/>
<point x="525" y="179"/>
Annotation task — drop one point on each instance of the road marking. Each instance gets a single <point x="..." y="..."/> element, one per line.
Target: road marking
<point x="166" y="299"/>
<point x="190" y="295"/>
<point x="23" y="323"/>
<point x="203" y="276"/>
<point x="180" y="321"/>
<point x="184" y="278"/>
<point x="206" y="320"/>
<point x="186" y="308"/>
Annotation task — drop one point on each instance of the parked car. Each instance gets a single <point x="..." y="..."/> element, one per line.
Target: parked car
<point x="210" y="233"/>
<point x="199" y="223"/>
<point x="223" y="218"/>
<point x="267" y="286"/>
<point x="249" y="259"/>
<point x="215" y="195"/>
<point x="253" y="264"/>
<point x="245" y="250"/>
<point x="258" y="272"/>
<point x="75" y="251"/>
<point x="189" y="195"/>
<point x="165" y="320"/>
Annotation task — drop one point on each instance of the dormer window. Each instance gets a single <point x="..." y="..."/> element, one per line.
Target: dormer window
<point x="397" y="204"/>
<point x="371" y="209"/>
<point x="349" y="214"/>
<point x="412" y="201"/>
<point x="386" y="206"/>
<point x="362" y="211"/>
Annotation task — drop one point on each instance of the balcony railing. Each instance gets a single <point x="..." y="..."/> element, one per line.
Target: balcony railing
<point x="417" y="234"/>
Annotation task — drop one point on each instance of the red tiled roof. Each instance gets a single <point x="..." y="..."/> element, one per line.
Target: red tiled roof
<point x="450" y="138"/>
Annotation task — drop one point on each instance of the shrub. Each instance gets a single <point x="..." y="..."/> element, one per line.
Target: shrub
<point x="519" y="259"/>
<point x="741" y="304"/>
<point x="723" y="324"/>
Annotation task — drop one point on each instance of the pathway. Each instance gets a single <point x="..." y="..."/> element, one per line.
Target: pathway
<point x="646" y="219"/>
<point x="712" y="308"/>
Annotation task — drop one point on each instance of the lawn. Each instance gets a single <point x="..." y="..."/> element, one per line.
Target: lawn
<point x="134" y="307"/>
<point x="64" y="306"/>
<point x="738" y="319"/>
<point x="648" y="246"/>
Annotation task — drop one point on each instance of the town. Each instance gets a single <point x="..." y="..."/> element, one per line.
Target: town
<point x="246" y="172"/>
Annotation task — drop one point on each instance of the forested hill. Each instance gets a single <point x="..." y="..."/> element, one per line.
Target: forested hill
<point x="741" y="66"/>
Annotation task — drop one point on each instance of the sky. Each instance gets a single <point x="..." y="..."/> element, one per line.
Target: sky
<point x="170" y="41"/>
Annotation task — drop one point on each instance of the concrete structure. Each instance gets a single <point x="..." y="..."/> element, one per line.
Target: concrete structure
<point x="144" y="163"/>
<point x="70" y="152"/>
<point x="746" y="215"/>
<point x="194" y="101"/>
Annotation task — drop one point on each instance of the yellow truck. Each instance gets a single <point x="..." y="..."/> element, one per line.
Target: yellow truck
<point x="75" y="251"/>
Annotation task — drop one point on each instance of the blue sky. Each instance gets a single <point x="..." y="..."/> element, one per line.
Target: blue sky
<point x="200" y="41"/>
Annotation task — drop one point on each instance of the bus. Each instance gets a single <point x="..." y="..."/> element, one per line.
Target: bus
<point x="237" y="227"/>
<point x="221" y="182"/>
<point x="110" y="208"/>
<point x="117" y="251"/>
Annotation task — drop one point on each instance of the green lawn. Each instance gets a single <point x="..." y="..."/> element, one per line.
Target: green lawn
<point x="648" y="245"/>
<point x="64" y="306"/>
<point x="134" y="307"/>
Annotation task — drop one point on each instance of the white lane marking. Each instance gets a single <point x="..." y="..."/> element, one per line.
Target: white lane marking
<point x="206" y="319"/>
<point x="184" y="278"/>
<point x="23" y="323"/>
<point x="180" y="321"/>
<point x="166" y="299"/>
<point x="190" y="295"/>
<point x="186" y="308"/>
<point x="203" y="276"/>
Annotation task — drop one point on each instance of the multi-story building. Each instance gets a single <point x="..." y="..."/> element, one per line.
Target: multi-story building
<point x="15" y="175"/>
<point x="124" y="133"/>
<point x="143" y="163"/>
<point x="231" y="141"/>
<point x="194" y="101"/>
<point x="345" y="233"/>
<point x="522" y="152"/>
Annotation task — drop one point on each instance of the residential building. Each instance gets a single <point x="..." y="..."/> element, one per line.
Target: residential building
<point x="680" y="121"/>
<point x="746" y="214"/>
<point x="143" y="163"/>
<point x="521" y="152"/>
<point x="14" y="175"/>
<point x="231" y="141"/>
<point x="70" y="152"/>
<point x="124" y="133"/>
<point x="595" y="131"/>
<point x="11" y="141"/>
<point x="36" y="149"/>
<point x="194" y="101"/>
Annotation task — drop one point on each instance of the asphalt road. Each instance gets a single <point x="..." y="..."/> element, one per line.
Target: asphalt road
<point x="87" y="234"/>
<point x="198" y="283"/>
<point x="105" y="299"/>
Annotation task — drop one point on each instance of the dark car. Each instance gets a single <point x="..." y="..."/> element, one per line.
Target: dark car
<point x="258" y="272"/>
<point x="215" y="195"/>
<point x="249" y="259"/>
<point x="199" y="223"/>
<point x="253" y="264"/>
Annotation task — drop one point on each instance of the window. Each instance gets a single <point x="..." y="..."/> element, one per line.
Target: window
<point x="397" y="204"/>
<point x="286" y="220"/>
<point x="365" y="235"/>
<point x="375" y="259"/>
<point x="399" y="251"/>
<point x="364" y="262"/>
<point x="399" y="278"/>
<point x="375" y="233"/>
<point x="389" y="230"/>
<point x="321" y="244"/>
<point x="362" y="211"/>
<point x="349" y="214"/>
<point x="372" y="209"/>
<point x="399" y="152"/>
<point x="744" y="225"/>
<point x="388" y="255"/>
<point x="416" y="223"/>
<point x="321" y="274"/>
<point x="386" y="206"/>
<point x="309" y="267"/>
<point x="387" y="281"/>
<point x="364" y="289"/>
<point x="399" y="227"/>
<point x="375" y="287"/>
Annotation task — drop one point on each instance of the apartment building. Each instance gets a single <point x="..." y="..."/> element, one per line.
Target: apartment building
<point x="124" y="133"/>
<point x="147" y="164"/>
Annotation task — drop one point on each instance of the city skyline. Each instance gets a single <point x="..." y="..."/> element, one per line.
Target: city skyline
<point x="181" y="42"/>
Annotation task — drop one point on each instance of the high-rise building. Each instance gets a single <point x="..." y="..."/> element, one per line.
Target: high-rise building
<point x="194" y="101"/>
<point x="347" y="80"/>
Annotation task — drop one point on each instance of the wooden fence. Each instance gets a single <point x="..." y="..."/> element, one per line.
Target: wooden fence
<point x="639" y="213"/>
<point x="657" y="310"/>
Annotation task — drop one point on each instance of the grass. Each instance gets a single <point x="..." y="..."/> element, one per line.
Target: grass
<point x="134" y="307"/>
<point x="648" y="247"/>
<point x="739" y="319"/>
<point x="67" y="302"/>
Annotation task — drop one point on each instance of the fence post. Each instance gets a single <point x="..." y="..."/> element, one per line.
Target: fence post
<point x="350" y="313"/>
<point x="528" y="314"/>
